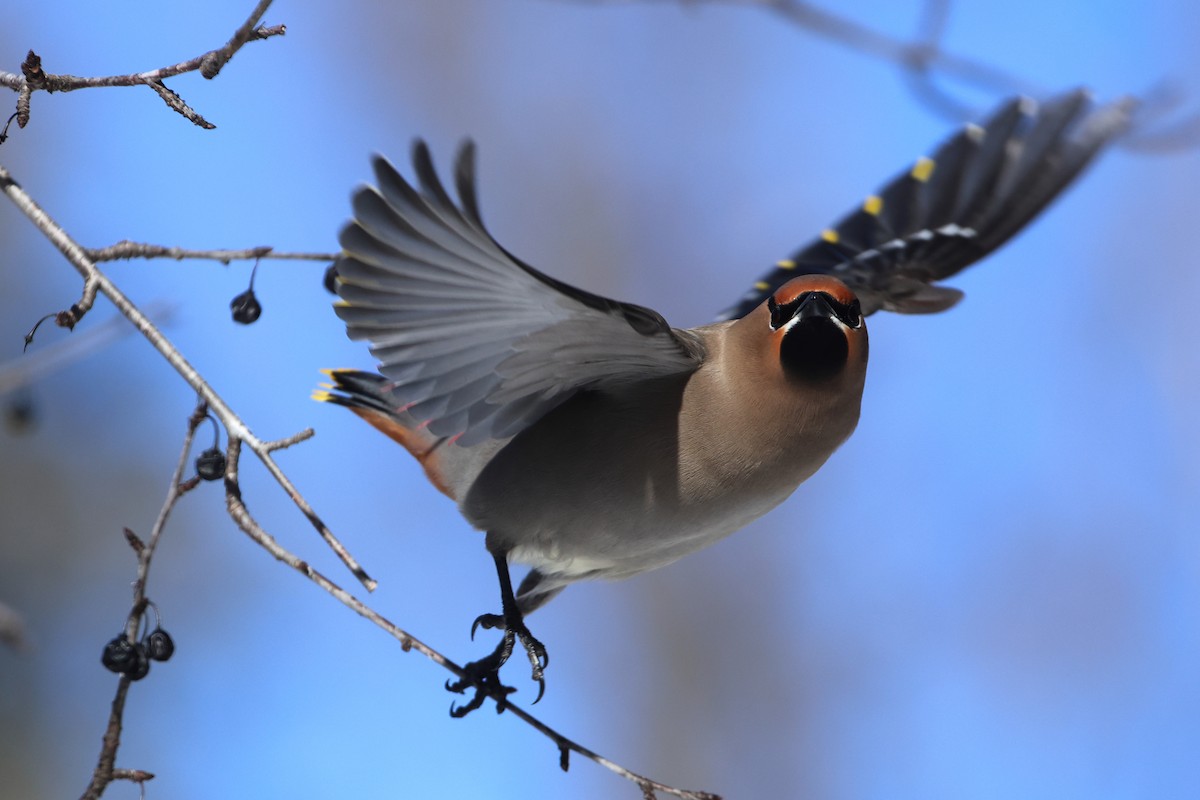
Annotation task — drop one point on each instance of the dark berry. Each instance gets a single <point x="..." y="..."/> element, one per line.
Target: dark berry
<point x="331" y="275"/>
<point x="210" y="465"/>
<point x="140" y="668"/>
<point x="246" y="308"/>
<point x="119" y="654"/>
<point x="159" y="645"/>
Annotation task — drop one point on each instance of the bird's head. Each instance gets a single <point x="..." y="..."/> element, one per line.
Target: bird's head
<point x="815" y="327"/>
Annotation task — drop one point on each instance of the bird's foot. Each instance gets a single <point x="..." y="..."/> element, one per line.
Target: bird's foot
<point x="534" y="649"/>
<point x="484" y="674"/>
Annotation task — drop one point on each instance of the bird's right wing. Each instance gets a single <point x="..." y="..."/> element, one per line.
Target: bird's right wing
<point x="949" y="210"/>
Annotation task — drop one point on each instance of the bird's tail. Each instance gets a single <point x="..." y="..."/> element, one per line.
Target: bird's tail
<point x="358" y="391"/>
<point x="370" y="396"/>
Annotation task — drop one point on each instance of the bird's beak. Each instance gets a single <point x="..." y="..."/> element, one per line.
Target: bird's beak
<point x="815" y="305"/>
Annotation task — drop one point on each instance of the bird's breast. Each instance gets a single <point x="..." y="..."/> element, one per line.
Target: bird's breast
<point x="618" y="482"/>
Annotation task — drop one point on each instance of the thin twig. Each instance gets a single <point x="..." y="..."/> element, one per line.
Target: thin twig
<point x="935" y="15"/>
<point x="898" y="51"/>
<point x="97" y="281"/>
<point x="920" y="59"/>
<point x="126" y="249"/>
<point x="859" y="37"/>
<point x="241" y="515"/>
<point x="286" y="442"/>
<point x="105" y="773"/>
<point x="34" y="78"/>
<point x="27" y="369"/>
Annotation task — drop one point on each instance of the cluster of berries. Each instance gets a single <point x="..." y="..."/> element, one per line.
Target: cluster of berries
<point x="126" y="657"/>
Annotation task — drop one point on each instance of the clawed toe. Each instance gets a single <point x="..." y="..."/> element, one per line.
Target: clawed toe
<point x="484" y="675"/>
<point x="539" y="659"/>
<point x="487" y="622"/>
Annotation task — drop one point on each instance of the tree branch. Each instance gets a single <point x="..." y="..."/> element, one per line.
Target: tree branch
<point x="96" y="281"/>
<point x="241" y="515"/>
<point x="238" y="434"/>
<point x="30" y="368"/>
<point x="923" y="57"/>
<point x="126" y="249"/>
<point x="33" y="78"/>
<point x="104" y="774"/>
<point x="908" y="55"/>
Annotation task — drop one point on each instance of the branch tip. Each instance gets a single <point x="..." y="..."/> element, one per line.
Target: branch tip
<point x="135" y="542"/>
<point x="135" y="775"/>
<point x="31" y="68"/>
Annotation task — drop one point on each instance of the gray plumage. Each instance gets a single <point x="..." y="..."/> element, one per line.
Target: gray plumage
<point x="478" y="345"/>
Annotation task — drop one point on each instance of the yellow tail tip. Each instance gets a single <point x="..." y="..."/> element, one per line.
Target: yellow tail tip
<point x="321" y="396"/>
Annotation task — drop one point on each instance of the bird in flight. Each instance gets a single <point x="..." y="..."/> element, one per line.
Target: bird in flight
<point x="590" y="439"/>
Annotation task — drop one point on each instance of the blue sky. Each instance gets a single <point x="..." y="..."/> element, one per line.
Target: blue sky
<point x="992" y="590"/>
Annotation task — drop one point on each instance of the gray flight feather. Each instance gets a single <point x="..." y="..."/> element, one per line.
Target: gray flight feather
<point x="475" y="343"/>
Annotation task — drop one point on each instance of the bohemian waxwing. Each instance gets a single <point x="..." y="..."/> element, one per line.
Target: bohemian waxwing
<point x="588" y="437"/>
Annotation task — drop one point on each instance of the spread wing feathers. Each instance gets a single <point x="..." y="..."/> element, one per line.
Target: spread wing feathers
<point x="476" y="343"/>
<point x="947" y="211"/>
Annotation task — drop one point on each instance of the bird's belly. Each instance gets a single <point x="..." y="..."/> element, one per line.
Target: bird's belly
<point x="622" y="537"/>
<point x="590" y="498"/>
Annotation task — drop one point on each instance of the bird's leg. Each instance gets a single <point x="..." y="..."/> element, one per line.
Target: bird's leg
<point x="512" y="621"/>
<point x="484" y="673"/>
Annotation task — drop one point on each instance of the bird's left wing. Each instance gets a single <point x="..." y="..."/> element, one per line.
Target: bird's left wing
<point x="476" y="343"/>
<point x="949" y="210"/>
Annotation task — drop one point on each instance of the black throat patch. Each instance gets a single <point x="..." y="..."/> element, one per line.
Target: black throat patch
<point x="814" y="349"/>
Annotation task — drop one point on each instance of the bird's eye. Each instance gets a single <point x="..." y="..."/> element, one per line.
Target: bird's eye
<point x="850" y="314"/>
<point x="779" y="314"/>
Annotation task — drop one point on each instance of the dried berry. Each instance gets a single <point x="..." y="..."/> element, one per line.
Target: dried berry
<point x="210" y="465"/>
<point x="140" y="667"/>
<point x="331" y="275"/>
<point x="246" y="308"/>
<point x="159" y="645"/>
<point x="119" y="655"/>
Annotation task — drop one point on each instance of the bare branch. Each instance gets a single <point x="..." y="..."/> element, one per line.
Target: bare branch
<point x="97" y="281"/>
<point x="908" y="55"/>
<point x="241" y="515"/>
<point x="25" y="370"/>
<point x="105" y="773"/>
<point x="919" y="60"/>
<point x="934" y="17"/>
<point x="126" y="249"/>
<point x="34" y="78"/>
<point x="212" y="62"/>
<point x="296" y="438"/>
<point x="177" y="104"/>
